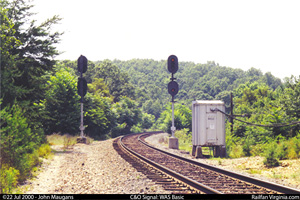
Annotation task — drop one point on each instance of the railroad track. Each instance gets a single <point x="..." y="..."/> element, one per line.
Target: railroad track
<point x="181" y="175"/>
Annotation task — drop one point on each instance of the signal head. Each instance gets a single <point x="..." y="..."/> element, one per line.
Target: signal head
<point x="173" y="88"/>
<point x="82" y="64"/>
<point x="172" y="64"/>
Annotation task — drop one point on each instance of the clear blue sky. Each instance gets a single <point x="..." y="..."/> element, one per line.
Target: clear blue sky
<point x="264" y="34"/>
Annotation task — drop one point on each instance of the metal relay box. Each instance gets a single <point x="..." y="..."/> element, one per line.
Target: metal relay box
<point x="208" y="125"/>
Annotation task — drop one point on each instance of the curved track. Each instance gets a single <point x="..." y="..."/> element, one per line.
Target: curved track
<point x="187" y="176"/>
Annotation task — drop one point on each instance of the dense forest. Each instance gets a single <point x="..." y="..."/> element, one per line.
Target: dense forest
<point x="39" y="97"/>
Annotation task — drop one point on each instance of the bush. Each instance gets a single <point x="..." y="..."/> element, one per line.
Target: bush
<point x="44" y="150"/>
<point x="18" y="142"/>
<point x="8" y="179"/>
<point x="282" y="151"/>
<point x="136" y="129"/>
<point x="288" y="149"/>
<point x="271" y="159"/>
<point x="61" y="103"/>
<point x="247" y="147"/>
<point x="257" y="150"/>
<point x="295" y="146"/>
<point x="19" y="147"/>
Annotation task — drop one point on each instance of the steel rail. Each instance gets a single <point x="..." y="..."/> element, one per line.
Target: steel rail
<point x="190" y="182"/>
<point x="254" y="181"/>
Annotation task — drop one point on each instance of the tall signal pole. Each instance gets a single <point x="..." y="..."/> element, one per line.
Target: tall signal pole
<point x="173" y="90"/>
<point x="82" y="90"/>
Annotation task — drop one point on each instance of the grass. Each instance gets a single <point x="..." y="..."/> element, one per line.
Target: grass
<point x="296" y="175"/>
<point x="66" y="140"/>
<point x="184" y="140"/>
<point x="254" y="171"/>
<point x="163" y="141"/>
<point x="218" y="159"/>
<point x="276" y="175"/>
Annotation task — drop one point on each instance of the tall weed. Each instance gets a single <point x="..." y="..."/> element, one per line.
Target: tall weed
<point x="236" y="151"/>
<point x="69" y="141"/>
<point x="184" y="139"/>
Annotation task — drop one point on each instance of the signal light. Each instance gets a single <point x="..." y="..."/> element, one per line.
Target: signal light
<point x="82" y="64"/>
<point x="173" y="88"/>
<point x="82" y="87"/>
<point x="172" y="64"/>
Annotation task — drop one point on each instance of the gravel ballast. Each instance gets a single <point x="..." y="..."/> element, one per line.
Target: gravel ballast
<point x="91" y="169"/>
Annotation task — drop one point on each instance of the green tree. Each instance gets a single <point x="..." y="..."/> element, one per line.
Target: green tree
<point x="99" y="88"/>
<point x="289" y="99"/>
<point x="147" y="120"/>
<point x="182" y="118"/>
<point x="117" y="81"/>
<point x="9" y="68"/>
<point x="32" y="49"/>
<point x="127" y="114"/>
<point x="153" y="108"/>
<point x="99" y="117"/>
<point x="62" y="104"/>
<point x="27" y="54"/>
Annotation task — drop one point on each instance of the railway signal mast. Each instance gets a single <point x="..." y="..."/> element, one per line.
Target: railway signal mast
<point x="82" y="90"/>
<point x="173" y="90"/>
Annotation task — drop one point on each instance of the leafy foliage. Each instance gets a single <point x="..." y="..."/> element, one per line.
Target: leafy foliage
<point x="196" y="81"/>
<point x="271" y="157"/>
<point x="270" y="109"/>
<point x="62" y="104"/>
<point x="8" y="179"/>
<point x="127" y="115"/>
<point x="99" y="117"/>
<point x="182" y="118"/>
<point x="18" y="146"/>
<point x="27" y="52"/>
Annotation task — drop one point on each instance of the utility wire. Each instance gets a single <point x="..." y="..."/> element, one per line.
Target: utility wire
<point x="261" y="125"/>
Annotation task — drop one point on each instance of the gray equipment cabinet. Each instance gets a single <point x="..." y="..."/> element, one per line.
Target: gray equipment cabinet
<point x="208" y="127"/>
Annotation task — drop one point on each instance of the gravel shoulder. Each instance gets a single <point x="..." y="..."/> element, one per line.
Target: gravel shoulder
<point x="90" y="169"/>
